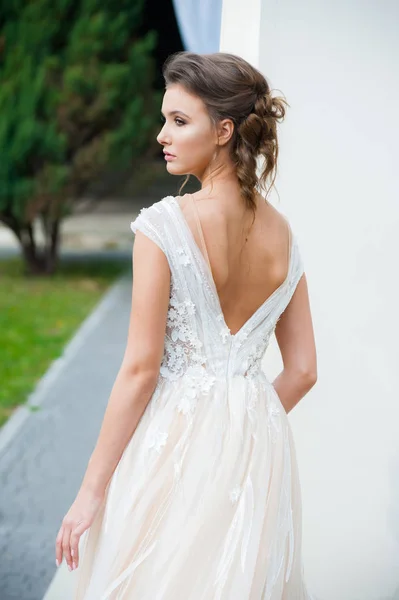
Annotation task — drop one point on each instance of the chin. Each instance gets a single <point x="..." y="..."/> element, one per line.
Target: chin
<point x="172" y="169"/>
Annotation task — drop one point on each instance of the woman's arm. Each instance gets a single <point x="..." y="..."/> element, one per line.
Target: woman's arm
<point x="130" y="394"/>
<point x="139" y="371"/>
<point x="295" y="337"/>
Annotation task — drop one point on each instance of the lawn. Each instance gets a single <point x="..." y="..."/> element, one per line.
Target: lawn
<point x="39" y="315"/>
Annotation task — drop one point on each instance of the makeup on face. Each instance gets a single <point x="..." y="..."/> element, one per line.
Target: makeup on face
<point x="186" y="135"/>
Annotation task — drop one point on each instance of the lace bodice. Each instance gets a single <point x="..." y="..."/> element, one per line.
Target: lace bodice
<point x="198" y="343"/>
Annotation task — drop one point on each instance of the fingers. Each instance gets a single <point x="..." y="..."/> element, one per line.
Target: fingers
<point x="58" y="546"/>
<point x="67" y="544"/>
<point x="66" y="547"/>
<point x="75" y="536"/>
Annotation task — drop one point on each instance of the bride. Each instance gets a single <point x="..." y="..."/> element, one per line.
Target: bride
<point x="192" y="491"/>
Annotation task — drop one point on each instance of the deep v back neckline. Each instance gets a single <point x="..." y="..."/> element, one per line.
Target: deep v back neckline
<point x="208" y="269"/>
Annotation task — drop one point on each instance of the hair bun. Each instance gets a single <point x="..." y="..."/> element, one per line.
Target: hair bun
<point x="259" y="128"/>
<point x="252" y="130"/>
<point x="268" y="106"/>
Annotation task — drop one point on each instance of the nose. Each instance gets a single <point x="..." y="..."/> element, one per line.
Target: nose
<point x="162" y="137"/>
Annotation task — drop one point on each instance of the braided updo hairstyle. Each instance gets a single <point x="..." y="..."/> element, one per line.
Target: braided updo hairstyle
<point x="232" y="88"/>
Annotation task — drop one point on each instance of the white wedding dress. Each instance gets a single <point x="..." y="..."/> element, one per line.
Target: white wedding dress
<point x="205" y="503"/>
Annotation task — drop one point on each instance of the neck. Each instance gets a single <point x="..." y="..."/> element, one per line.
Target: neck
<point x="221" y="180"/>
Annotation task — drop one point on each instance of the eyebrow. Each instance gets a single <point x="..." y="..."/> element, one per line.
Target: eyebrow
<point x="175" y="112"/>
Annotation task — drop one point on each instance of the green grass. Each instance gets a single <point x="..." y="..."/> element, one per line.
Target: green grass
<point x="39" y="315"/>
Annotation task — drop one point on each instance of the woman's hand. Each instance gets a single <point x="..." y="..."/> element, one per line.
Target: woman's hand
<point x="79" y="518"/>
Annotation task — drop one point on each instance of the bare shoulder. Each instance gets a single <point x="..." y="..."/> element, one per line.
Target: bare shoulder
<point x="272" y="217"/>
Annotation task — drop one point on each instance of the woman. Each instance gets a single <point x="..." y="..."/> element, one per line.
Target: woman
<point x="192" y="490"/>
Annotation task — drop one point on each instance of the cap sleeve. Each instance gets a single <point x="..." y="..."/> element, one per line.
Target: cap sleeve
<point x="150" y="221"/>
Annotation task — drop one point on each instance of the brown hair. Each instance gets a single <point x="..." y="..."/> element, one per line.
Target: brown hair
<point x="232" y="88"/>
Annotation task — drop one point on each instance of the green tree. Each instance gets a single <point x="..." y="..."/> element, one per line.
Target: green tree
<point x="76" y="97"/>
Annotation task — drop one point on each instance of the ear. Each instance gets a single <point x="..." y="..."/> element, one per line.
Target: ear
<point x="225" y="130"/>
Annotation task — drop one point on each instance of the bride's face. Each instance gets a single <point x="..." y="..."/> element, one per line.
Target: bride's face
<point x="187" y="133"/>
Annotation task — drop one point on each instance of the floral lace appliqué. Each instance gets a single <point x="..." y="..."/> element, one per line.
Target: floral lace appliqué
<point x="256" y="354"/>
<point x="183" y="353"/>
<point x="197" y="381"/>
<point x="224" y="331"/>
<point x="157" y="439"/>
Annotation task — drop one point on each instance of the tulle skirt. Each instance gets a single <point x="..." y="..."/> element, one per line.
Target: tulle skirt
<point x="205" y="503"/>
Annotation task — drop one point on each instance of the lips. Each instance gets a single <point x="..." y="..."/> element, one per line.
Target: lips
<point x="169" y="154"/>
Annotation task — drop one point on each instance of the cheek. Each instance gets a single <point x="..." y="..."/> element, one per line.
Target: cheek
<point x="195" y="144"/>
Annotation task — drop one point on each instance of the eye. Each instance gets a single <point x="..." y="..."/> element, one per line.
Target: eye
<point x="179" y="122"/>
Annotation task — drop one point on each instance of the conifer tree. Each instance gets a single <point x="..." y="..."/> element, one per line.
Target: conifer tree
<point x="76" y="97"/>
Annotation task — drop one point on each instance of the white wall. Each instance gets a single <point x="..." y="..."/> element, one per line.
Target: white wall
<point x="337" y="65"/>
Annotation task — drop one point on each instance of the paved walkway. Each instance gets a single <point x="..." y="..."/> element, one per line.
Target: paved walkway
<point x="43" y="454"/>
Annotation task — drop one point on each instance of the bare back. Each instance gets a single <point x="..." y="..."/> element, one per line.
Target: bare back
<point x="245" y="272"/>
